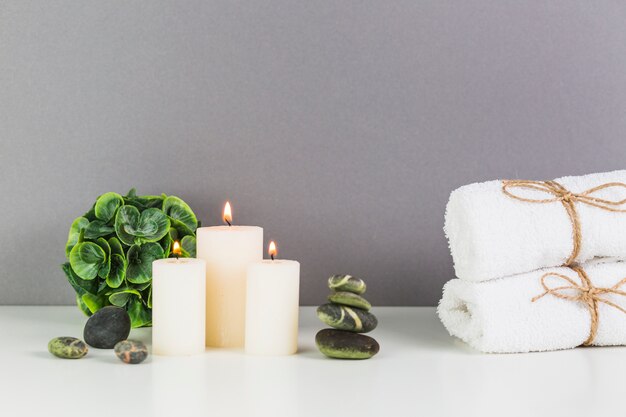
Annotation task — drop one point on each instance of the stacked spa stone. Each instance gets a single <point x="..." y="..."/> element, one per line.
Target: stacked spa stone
<point x="348" y="312"/>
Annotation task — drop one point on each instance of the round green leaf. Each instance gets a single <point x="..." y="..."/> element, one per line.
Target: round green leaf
<point x="98" y="228"/>
<point x="80" y="285"/>
<point x="78" y="225"/>
<point x="133" y="227"/>
<point x="140" y="260"/>
<point x="127" y="217"/>
<point x="180" y="227"/>
<point x="188" y="246"/>
<point x="82" y="306"/>
<point x="166" y="244"/>
<point x="140" y="314"/>
<point x="93" y="302"/>
<point x="91" y="214"/>
<point x="106" y="206"/>
<point x="102" y="287"/>
<point x="116" y="246"/>
<point x="178" y="210"/>
<point x="153" y="225"/>
<point x="145" y="202"/>
<point x="86" y="259"/>
<point x="103" y="272"/>
<point x="141" y="287"/>
<point x="149" y="303"/>
<point x="120" y="298"/>
<point x="118" y="271"/>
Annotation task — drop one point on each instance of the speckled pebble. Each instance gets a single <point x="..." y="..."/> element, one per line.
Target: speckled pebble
<point x="67" y="347"/>
<point x="131" y="351"/>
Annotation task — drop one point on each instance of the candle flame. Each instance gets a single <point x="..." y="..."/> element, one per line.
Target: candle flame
<point x="176" y="249"/>
<point x="228" y="214"/>
<point x="272" y="251"/>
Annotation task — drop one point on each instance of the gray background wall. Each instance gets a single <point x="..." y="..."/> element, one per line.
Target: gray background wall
<point x="340" y="127"/>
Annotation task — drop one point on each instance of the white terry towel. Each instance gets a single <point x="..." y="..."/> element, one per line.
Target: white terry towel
<point x="500" y="316"/>
<point x="492" y="235"/>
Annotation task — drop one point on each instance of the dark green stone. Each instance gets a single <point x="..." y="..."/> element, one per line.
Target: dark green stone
<point x="340" y="344"/>
<point x="131" y="351"/>
<point x="346" y="283"/>
<point x="67" y="347"/>
<point x="349" y="299"/>
<point x="347" y="318"/>
<point x="106" y="327"/>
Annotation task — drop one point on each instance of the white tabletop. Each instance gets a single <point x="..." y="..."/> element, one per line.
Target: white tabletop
<point x="420" y="370"/>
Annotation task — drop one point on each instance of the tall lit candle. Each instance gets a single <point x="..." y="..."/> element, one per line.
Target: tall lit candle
<point x="178" y="305"/>
<point x="227" y="250"/>
<point x="273" y="291"/>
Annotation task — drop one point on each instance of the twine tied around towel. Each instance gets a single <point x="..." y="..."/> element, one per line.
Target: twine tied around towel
<point x="584" y="292"/>
<point x="569" y="200"/>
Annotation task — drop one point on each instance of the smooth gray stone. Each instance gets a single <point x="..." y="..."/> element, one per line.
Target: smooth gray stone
<point x="349" y="299"/>
<point x="67" y="347"/>
<point x="131" y="351"/>
<point x="106" y="327"/>
<point x="347" y="318"/>
<point x="341" y="344"/>
<point x="346" y="283"/>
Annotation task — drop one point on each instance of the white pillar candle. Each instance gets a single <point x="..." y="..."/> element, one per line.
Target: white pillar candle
<point x="178" y="306"/>
<point x="227" y="250"/>
<point x="273" y="294"/>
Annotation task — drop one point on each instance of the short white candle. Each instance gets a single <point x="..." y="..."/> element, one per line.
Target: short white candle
<point x="273" y="294"/>
<point x="178" y="306"/>
<point x="227" y="250"/>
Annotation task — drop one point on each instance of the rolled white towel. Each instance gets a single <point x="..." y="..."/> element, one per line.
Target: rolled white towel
<point x="500" y="316"/>
<point x="493" y="235"/>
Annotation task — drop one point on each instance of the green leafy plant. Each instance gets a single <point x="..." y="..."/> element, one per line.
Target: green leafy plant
<point x="110" y="250"/>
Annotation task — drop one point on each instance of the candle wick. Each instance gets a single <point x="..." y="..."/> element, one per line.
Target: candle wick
<point x="228" y="222"/>
<point x="272" y="256"/>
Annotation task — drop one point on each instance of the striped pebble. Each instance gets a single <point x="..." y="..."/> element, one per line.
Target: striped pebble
<point x="346" y="283"/>
<point x="347" y="318"/>
<point x="349" y="299"/>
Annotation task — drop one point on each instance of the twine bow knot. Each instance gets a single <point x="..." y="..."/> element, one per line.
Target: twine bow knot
<point x="584" y="292"/>
<point x="569" y="200"/>
<point x="567" y="197"/>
